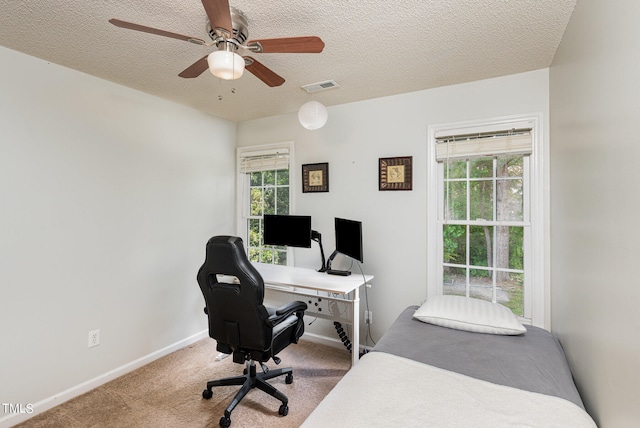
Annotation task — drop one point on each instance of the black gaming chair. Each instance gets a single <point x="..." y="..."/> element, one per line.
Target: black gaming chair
<point x="241" y="325"/>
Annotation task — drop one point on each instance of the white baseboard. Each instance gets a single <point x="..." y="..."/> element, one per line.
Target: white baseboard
<point x="46" y="404"/>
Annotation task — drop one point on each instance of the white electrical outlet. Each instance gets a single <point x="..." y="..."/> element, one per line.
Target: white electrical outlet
<point x="368" y="317"/>
<point x="94" y="338"/>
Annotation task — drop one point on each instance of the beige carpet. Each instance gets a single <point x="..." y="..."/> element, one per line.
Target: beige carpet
<point x="168" y="392"/>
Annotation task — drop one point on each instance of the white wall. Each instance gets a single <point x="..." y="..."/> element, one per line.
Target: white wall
<point x="107" y="199"/>
<point x="394" y="222"/>
<point x="595" y="148"/>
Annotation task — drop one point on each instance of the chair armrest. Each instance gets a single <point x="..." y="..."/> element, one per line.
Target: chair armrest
<point x="291" y="307"/>
<point x="285" y="311"/>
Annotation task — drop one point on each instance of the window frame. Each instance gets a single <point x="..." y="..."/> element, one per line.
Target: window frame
<point x="535" y="294"/>
<point x="243" y="187"/>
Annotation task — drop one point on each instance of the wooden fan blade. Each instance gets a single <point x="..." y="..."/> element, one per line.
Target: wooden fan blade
<point x="306" y="44"/>
<point x="263" y="73"/>
<point x="219" y="15"/>
<point x="195" y="69"/>
<point x="144" y="29"/>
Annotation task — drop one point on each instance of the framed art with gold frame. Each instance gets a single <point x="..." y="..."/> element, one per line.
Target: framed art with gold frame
<point x="315" y="177"/>
<point x="395" y="173"/>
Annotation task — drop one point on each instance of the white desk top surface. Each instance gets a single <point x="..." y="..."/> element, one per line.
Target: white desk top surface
<point x="309" y="278"/>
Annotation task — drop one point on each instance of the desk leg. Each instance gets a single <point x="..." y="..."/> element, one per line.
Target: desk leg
<point x="355" y="345"/>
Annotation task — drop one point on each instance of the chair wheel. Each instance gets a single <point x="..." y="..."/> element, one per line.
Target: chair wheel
<point x="289" y="379"/>
<point x="283" y="410"/>
<point x="225" y="422"/>
<point x="207" y="394"/>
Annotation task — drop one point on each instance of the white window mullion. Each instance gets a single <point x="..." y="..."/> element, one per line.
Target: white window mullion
<point x="494" y="244"/>
<point x="468" y="230"/>
<point x="494" y="271"/>
<point x="529" y="244"/>
<point x="468" y="260"/>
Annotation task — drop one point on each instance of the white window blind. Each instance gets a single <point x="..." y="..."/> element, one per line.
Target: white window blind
<point x="497" y="143"/>
<point x="264" y="160"/>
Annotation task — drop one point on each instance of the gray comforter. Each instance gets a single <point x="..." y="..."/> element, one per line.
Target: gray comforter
<point x="533" y="362"/>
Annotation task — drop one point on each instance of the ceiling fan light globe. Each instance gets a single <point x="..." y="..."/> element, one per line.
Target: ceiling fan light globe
<point x="226" y="65"/>
<point x="313" y="115"/>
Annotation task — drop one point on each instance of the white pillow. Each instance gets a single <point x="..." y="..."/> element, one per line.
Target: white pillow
<point x="475" y="315"/>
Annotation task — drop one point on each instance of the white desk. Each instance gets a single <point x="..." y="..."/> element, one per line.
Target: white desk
<point x="285" y="283"/>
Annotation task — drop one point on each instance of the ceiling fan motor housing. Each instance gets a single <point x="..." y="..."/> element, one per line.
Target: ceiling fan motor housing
<point x="240" y="29"/>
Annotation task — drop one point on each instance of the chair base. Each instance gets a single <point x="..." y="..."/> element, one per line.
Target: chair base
<point x="251" y="379"/>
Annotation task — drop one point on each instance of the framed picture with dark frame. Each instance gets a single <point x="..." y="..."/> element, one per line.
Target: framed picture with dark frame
<point x="315" y="177"/>
<point x="395" y="173"/>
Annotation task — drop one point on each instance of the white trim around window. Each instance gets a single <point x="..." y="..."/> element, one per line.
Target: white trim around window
<point x="270" y="154"/>
<point x="538" y="294"/>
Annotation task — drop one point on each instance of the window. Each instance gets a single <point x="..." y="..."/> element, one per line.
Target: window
<point x="483" y="223"/>
<point x="485" y="233"/>
<point x="264" y="187"/>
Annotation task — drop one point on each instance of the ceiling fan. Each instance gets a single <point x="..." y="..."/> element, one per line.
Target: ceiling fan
<point x="228" y="29"/>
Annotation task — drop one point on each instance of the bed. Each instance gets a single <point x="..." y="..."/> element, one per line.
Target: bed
<point x="422" y="374"/>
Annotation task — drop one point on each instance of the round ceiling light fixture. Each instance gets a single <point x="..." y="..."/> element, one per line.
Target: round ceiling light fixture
<point x="226" y="65"/>
<point x="313" y="115"/>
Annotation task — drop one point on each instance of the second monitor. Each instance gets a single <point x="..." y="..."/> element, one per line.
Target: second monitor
<point x="348" y="242"/>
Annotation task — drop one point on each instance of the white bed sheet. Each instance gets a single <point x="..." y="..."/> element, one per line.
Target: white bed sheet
<point x="387" y="390"/>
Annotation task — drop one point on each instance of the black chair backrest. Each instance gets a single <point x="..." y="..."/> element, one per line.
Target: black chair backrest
<point x="233" y="291"/>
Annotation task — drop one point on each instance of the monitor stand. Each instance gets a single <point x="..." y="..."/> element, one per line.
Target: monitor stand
<point x="335" y="271"/>
<point x="339" y="272"/>
<point x="316" y="236"/>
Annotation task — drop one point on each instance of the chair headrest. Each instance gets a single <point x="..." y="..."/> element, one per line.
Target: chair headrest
<point x="226" y="256"/>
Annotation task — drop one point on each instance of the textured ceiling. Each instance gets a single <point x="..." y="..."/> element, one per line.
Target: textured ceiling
<point x="373" y="48"/>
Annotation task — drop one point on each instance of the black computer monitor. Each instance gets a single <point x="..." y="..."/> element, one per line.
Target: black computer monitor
<point x="287" y="230"/>
<point x="349" y="238"/>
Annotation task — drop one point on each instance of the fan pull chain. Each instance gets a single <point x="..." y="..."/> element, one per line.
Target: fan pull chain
<point x="233" y="91"/>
